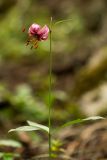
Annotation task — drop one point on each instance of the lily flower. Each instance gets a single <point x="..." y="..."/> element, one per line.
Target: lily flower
<point x="37" y="33"/>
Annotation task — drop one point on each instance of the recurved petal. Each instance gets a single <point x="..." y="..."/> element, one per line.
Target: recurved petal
<point x="34" y="28"/>
<point x="44" y="37"/>
<point x="43" y="30"/>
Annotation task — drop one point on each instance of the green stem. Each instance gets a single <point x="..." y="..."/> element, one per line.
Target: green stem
<point x="50" y="87"/>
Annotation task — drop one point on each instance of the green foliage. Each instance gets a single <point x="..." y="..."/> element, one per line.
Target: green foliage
<point x="77" y="121"/>
<point x="8" y="156"/>
<point x="41" y="127"/>
<point x="24" y="128"/>
<point x="11" y="143"/>
<point x="28" y="104"/>
<point x="32" y="127"/>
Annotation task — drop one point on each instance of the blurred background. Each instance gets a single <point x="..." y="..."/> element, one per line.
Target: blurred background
<point x="79" y="71"/>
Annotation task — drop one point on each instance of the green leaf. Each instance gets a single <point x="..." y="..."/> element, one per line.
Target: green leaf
<point x="39" y="126"/>
<point x="64" y="20"/>
<point x="94" y="118"/>
<point x="11" y="143"/>
<point x="8" y="156"/>
<point x="5" y="157"/>
<point x="24" y="128"/>
<point x="1" y="154"/>
<point x="81" y="120"/>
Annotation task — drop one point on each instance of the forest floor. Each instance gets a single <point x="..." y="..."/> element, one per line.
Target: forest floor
<point x="86" y="142"/>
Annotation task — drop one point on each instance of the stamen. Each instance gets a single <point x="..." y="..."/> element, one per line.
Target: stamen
<point x="36" y="46"/>
<point x="28" y="41"/>
<point x="23" y="29"/>
<point x="31" y="47"/>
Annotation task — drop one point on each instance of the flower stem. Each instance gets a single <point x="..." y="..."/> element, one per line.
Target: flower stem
<point x="50" y="87"/>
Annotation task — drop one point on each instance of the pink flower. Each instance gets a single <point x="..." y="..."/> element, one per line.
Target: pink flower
<point x="38" y="32"/>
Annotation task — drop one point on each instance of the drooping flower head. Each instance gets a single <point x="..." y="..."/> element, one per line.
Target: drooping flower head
<point x="37" y="33"/>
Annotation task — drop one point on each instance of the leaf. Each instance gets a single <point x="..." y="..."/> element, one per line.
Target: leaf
<point x="39" y="126"/>
<point x="8" y="156"/>
<point x="24" y="128"/>
<point x="11" y="143"/>
<point x="61" y="21"/>
<point x="81" y="120"/>
<point x="93" y="118"/>
<point x="1" y="154"/>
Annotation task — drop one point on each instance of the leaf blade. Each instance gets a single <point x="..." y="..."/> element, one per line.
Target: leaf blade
<point x="11" y="143"/>
<point x="40" y="126"/>
<point x="94" y="118"/>
<point x="24" y="128"/>
<point x="82" y="120"/>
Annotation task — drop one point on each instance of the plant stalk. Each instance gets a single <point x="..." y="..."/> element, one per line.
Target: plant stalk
<point x="50" y="88"/>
